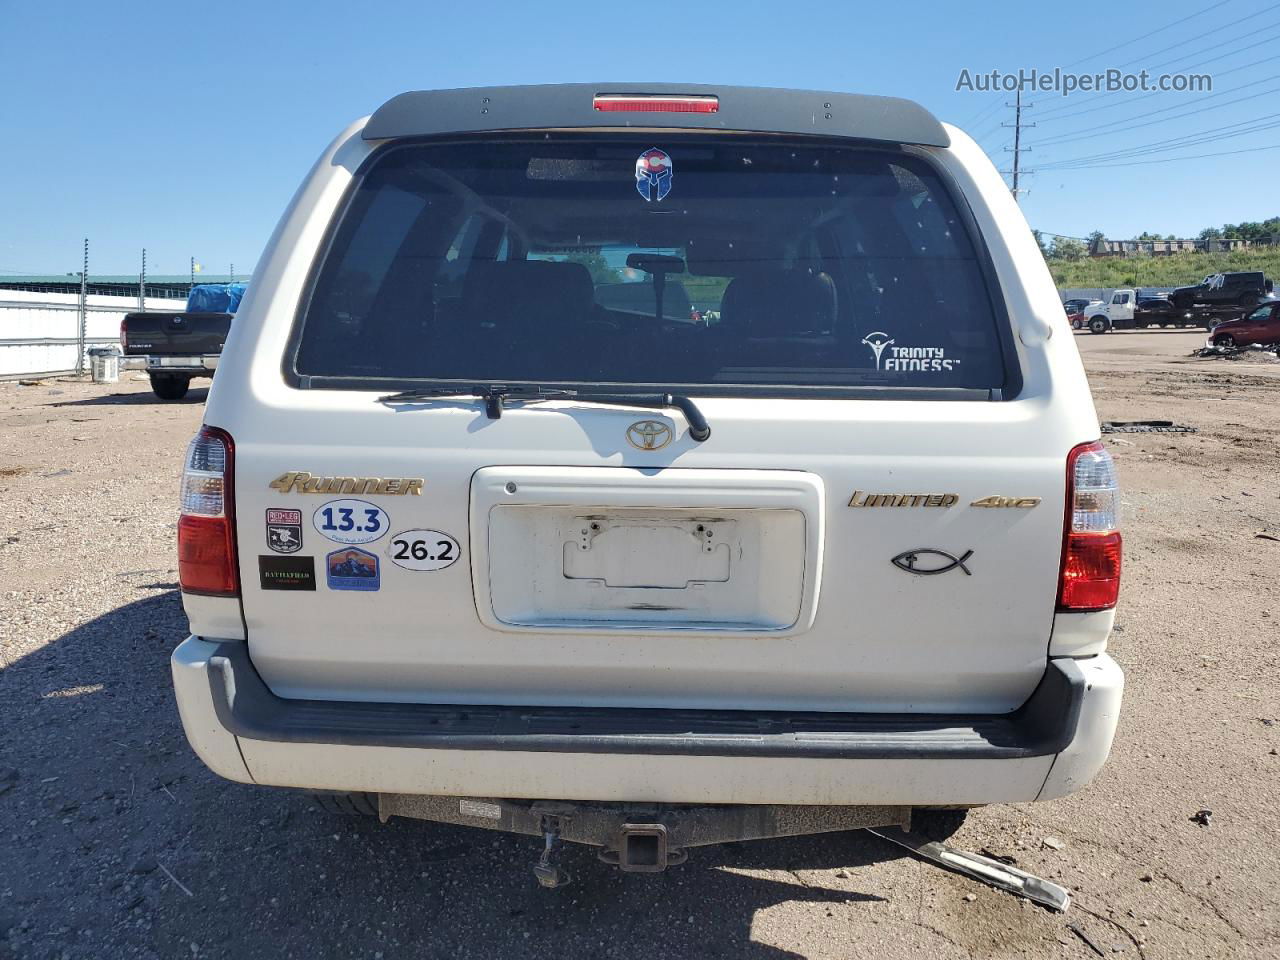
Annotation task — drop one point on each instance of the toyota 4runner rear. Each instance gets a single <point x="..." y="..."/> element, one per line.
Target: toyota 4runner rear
<point x="487" y="525"/>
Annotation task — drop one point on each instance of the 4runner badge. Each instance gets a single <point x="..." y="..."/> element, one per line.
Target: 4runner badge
<point x="649" y="434"/>
<point x="299" y="481"/>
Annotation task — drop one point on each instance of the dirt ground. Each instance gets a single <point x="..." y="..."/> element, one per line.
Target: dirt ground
<point x="116" y="842"/>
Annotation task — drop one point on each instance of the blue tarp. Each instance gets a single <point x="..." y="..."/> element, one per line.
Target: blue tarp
<point x="215" y="297"/>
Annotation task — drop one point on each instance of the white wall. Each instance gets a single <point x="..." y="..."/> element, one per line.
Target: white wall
<point x="39" y="331"/>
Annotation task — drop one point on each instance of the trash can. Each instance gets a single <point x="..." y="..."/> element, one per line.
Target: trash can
<point x="105" y="364"/>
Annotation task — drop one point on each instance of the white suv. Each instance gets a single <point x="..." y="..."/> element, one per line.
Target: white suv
<point x="465" y="539"/>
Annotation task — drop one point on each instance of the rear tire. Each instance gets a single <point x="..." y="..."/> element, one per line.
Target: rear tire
<point x="347" y="804"/>
<point x="1097" y="325"/>
<point x="168" y="387"/>
<point x="937" y="825"/>
<point x="1248" y="300"/>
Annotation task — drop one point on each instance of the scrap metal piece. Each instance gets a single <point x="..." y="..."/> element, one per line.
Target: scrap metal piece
<point x="993" y="872"/>
<point x="1144" y="426"/>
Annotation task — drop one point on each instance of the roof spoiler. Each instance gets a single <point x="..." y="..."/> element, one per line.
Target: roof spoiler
<point x="426" y="113"/>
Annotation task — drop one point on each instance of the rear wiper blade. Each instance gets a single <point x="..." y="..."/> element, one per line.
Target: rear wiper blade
<point x="494" y="394"/>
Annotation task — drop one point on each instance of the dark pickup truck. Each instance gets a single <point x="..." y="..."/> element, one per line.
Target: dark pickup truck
<point x="175" y="347"/>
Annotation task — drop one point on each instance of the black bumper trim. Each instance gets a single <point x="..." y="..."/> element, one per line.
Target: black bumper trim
<point x="1042" y="726"/>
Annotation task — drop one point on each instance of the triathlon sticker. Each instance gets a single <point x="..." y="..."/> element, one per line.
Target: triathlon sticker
<point x="352" y="569"/>
<point x="653" y="174"/>
<point x="284" y="530"/>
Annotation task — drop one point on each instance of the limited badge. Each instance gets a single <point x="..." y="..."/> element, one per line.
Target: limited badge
<point x="424" y="550"/>
<point x="351" y="521"/>
<point x="287" y="573"/>
<point x="284" y="530"/>
<point x="352" y="569"/>
<point x="653" y="174"/>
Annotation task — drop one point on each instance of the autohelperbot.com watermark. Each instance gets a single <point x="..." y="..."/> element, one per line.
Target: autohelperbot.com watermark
<point x="1065" y="82"/>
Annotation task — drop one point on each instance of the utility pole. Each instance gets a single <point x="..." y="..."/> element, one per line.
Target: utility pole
<point x="233" y="273"/>
<point x="142" y="283"/>
<point x="193" y="271"/>
<point x="84" y="310"/>
<point x="1018" y="148"/>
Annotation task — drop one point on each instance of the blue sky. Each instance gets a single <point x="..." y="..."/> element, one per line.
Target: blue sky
<point x="185" y="128"/>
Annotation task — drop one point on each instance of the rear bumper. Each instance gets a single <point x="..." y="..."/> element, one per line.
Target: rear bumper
<point x="195" y="365"/>
<point x="1050" y="746"/>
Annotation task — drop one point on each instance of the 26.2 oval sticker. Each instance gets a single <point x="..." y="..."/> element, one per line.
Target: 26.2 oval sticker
<point x="351" y="521"/>
<point x="423" y="550"/>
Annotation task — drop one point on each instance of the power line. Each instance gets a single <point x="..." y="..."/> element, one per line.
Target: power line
<point x="1142" y="96"/>
<point x="1198" y="52"/>
<point x="1175" y="143"/>
<point x="1143" y="163"/>
<point x="1130" y="125"/>
<point x="1167" y="26"/>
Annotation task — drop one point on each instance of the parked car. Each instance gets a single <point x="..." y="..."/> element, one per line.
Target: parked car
<point x="174" y="348"/>
<point x="1075" y="309"/>
<point x="1261" y="326"/>
<point x="1243" y="289"/>
<point x="525" y="558"/>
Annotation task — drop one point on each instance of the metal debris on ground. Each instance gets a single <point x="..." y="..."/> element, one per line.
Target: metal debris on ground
<point x="1089" y="941"/>
<point x="1202" y="817"/>
<point x="1145" y="426"/>
<point x="1000" y="875"/>
<point x="1251" y="351"/>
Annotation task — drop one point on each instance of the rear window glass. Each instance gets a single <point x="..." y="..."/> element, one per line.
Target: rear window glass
<point x="726" y="264"/>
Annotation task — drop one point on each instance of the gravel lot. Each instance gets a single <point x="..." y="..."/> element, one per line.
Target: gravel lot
<point x="115" y="841"/>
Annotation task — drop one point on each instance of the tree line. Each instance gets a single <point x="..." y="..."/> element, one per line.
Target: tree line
<point x="1072" y="248"/>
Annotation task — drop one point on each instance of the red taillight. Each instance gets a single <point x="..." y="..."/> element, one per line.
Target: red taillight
<point x="1090" y="572"/>
<point x="1091" y="551"/>
<point x="646" y="103"/>
<point x="206" y="529"/>
<point x="124" y="333"/>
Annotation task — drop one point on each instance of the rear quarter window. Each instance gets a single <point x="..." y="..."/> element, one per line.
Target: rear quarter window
<point x="742" y="267"/>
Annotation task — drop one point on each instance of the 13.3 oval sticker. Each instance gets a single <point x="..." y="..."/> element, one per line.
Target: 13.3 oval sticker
<point x="423" y="550"/>
<point x="351" y="521"/>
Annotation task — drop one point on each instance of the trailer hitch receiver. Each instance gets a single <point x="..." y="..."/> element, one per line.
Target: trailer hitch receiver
<point x="642" y="848"/>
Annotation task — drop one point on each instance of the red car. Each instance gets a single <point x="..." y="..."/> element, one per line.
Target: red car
<point x="1262" y="325"/>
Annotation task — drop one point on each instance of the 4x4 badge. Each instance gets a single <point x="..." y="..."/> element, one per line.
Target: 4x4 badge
<point x="910" y="561"/>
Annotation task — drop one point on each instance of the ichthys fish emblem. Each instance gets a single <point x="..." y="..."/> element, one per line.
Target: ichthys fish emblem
<point x="926" y="562"/>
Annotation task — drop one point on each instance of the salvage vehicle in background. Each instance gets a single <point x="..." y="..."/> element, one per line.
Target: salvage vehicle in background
<point x="1242" y="289"/>
<point x="514" y="552"/>
<point x="1262" y="326"/>
<point x="176" y="347"/>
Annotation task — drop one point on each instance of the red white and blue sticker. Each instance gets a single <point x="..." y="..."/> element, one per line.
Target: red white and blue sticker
<point x="653" y="174"/>
<point x="352" y="569"/>
<point x="351" y="521"/>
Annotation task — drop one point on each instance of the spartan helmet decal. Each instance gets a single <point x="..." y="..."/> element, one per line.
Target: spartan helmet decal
<point x="653" y="174"/>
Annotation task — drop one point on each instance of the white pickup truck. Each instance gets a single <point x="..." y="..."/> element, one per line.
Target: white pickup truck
<point x="462" y="541"/>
